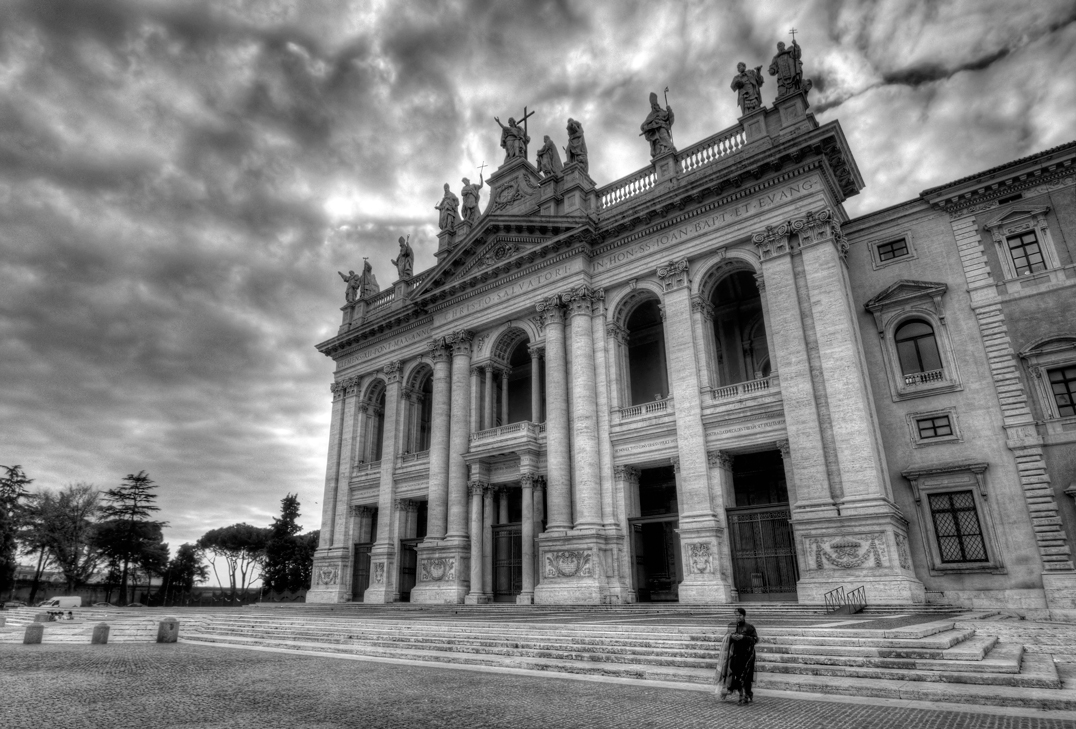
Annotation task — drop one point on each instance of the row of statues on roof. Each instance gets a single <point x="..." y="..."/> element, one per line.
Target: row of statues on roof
<point x="364" y="285"/>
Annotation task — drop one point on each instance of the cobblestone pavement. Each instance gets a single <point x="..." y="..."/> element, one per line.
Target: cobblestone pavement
<point x="184" y="685"/>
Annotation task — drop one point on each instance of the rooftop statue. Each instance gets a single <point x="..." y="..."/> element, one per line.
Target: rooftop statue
<point x="360" y="286"/>
<point x="449" y="207"/>
<point x="788" y="69"/>
<point x="658" y="127"/>
<point x="514" y="139"/>
<point x="405" y="261"/>
<point x="577" y="145"/>
<point x="549" y="158"/>
<point x="470" y="195"/>
<point x="747" y="83"/>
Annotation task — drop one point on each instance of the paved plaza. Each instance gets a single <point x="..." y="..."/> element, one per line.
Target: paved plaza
<point x="188" y="685"/>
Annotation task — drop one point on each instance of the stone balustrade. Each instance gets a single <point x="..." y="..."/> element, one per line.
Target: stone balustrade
<point x="382" y="299"/>
<point x="922" y="378"/>
<point x="650" y="409"/>
<point x="711" y="149"/>
<point x="522" y="427"/>
<point x="745" y="389"/>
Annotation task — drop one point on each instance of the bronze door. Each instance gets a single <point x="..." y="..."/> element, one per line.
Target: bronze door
<point x="360" y="576"/>
<point x="656" y="551"/>
<point x="507" y="562"/>
<point x="763" y="553"/>
<point x="408" y="567"/>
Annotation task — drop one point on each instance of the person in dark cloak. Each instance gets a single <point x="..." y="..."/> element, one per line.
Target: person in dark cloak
<point x="736" y="665"/>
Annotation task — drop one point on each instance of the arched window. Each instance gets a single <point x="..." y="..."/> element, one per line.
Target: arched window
<point x="647" y="373"/>
<point x="739" y="329"/>
<point x="374" y="435"/>
<point x="419" y="398"/>
<point x="917" y="348"/>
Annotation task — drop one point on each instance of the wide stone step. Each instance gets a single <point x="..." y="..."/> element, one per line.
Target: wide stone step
<point x="971" y="649"/>
<point x="1005" y="659"/>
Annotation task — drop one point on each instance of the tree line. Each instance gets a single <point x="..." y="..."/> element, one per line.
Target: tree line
<point x="81" y="532"/>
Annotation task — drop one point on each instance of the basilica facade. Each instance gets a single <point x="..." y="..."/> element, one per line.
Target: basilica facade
<point x="703" y="383"/>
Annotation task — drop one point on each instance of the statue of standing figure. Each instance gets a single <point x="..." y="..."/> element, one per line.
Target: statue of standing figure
<point x="405" y="262"/>
<point x="747" y="84"/>
<point x="354" y="282"/>
<point x="360" y="286"/>
<point x="470" y="195"/>
<point x="549" y="159"/>
<point x="788" y="69"/>
<point x="658" y="127"/>
<point x="577" y="145"/>
<point x="514" y="139"/>
<point x="449" y="208"/>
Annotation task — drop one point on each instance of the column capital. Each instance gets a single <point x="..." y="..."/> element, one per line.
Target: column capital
<point x="439" y="350"/>
<point x="477" y="487"/>
<point x="701" y="306"/>
<point x="392" y="371"/>
<point x="773" y="241"/>
<point x="675" y="461"/>
<point x="551" y="309"/>
<point x="357" y="510"/>
<point x="476" y="370"/>
<point x="820" y="226"/>
<point x="674" y="275"/>
<point x="504" y="370"/>
<point x="460" y="341"/>
<point x="616" y="332"/>
<point x="786" y="451"/>
<point x="527" y="480"/>
<point x="720" y="459"/>
<point x="401" y="505"/>
<point x="536" y="351"/>
<point x="629" y="474"/>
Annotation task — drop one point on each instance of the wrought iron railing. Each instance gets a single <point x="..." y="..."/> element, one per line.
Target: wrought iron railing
<point x="921" y="378"/>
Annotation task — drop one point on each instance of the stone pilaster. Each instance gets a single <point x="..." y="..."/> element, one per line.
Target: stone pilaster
<point x="585" y="455"/>
<point x="844" y="518"/>
<point x="331" y="561"/>
<point x="437" y="518"/>
<point x="559" y="484"/>
<point x="488" y="398"/>
<point x="526" y="593"/>
<point x="723" y="497"/>
<point x="476" y="595"/>
<point x="383" y="587"/>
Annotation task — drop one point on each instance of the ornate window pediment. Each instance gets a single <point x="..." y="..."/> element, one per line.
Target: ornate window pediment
<point x="904" y="293"/>
<point x="1023" y="241"/>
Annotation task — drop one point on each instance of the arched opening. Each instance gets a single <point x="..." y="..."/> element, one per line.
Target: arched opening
<point x="743" y="353"/>
<point x="917" y="348"/>
<point x="419" y="410"/>
<point x="648" y="377"/>
<point x="519" y="383"/>
<point x="514" y="383"/>
<point x="375" y="423"/>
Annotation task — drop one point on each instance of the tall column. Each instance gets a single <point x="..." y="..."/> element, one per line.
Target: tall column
<point x="536" y="383"/>
<point x="701" y="532"/>
<point x="475" y="596"/>
<point x="601" y="404"/>
<point x="331" y="562"/>
<point x="526" y="593"/>
<point x="487" y="420"/>
<point x="487" y="540"/>
<point x="475" y="416"/>
<point x="459" y="433"/>
<point x="539" y="505"/>
<point x="439" y="434"/>
<point x="723" y="497"/>
<point x="584" y="410"/>
<point x="559" y="484"/>
<point x="504" y="394"/>
<point x="383" y="555"/>
<point x="347" y="442"/>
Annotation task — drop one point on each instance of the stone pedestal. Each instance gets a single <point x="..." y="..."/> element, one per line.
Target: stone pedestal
<point x="794" y="116"/>
<point x="514" y="189"/>
<point x="1060" y="589"/>
<point x="578" y="567"/>
<point x="702" y="546"/>
<point x="853" y="551"/>
<point x="330" y="576"/>
<point x="382" y="587"/>
<point x="754" y="125"/>
<point x="444" y="568"/>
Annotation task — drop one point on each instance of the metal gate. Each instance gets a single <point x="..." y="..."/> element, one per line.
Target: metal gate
<point x="507" y="562"/>
<point x="763" y="553"/>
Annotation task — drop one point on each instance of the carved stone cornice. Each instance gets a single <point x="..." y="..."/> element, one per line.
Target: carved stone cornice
<point x="773" y="241"/>
<point x="674" y="275"/>
<point x="818" y="227"/>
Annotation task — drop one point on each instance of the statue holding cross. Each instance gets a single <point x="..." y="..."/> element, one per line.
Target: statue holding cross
<point x="514" y="138"/>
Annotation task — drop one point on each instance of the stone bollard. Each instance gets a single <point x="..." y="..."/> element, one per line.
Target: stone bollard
<point x="42" y="618"/>
<point x="3" y="620"/>
<point x="100" y="634"/>
<point x="33" y="633"/>
<point x="168" y="631"/>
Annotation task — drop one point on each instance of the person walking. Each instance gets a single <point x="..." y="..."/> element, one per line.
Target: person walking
<point x="736" y="660"/>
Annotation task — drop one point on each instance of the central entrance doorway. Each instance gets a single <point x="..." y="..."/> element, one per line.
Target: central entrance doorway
<point x="760" y="534"/>
<point x="507" y="557"/>
<point x="655" y="544"/>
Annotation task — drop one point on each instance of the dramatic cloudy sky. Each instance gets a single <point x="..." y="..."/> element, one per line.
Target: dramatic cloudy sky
<point x="180" y="182"/>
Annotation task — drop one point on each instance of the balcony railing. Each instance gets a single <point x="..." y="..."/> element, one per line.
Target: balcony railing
<point x="382" y="299"/>
<point x="363" y="467"/>
<point x="412" y="457"/>
<point x="744" y="389"/>
<point x="922" y="378"/>
<point x="697" y="156"/>
<point x="649" y="409"/>
<point x="521" y="427"/>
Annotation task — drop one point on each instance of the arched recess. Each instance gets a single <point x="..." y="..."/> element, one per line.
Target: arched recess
<point x="372" y="409"/>
<point x="739" y="346"/>
<point x="638" y="330"/>
<point x="516" y="394"/>
<point x="418" y="409"/>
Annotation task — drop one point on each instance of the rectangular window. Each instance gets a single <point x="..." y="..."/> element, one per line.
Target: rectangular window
<point x="936" y="427"/>
<point x="1063" y="386"/>
<point x="957" y="528"/>
<point x="893" y="249"/>
<point x="1026" y="253"/>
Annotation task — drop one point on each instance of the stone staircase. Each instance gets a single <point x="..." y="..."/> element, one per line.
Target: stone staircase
<point x="930" y="659"/>
<point x="125" y="626"/>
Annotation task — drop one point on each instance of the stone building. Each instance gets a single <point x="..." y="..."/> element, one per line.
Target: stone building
<point x="704" y="383"/>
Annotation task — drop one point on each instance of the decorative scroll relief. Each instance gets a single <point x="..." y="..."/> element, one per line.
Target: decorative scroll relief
<point x="701" y="558"/>
<point x="437" y="570"/>
<point x="379" y="573"/>
<point x="848" y="553"/>
<point x="902" y="552"/>
<point x="568" y="564"/>
<point x="674" y="274"/>
<point x="328" y="575"/>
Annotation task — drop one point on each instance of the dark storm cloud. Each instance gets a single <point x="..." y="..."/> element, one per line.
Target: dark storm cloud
<point x="180" y="182"/>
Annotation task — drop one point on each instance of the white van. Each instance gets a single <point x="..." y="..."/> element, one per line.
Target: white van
<point x="63" y="603"/>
